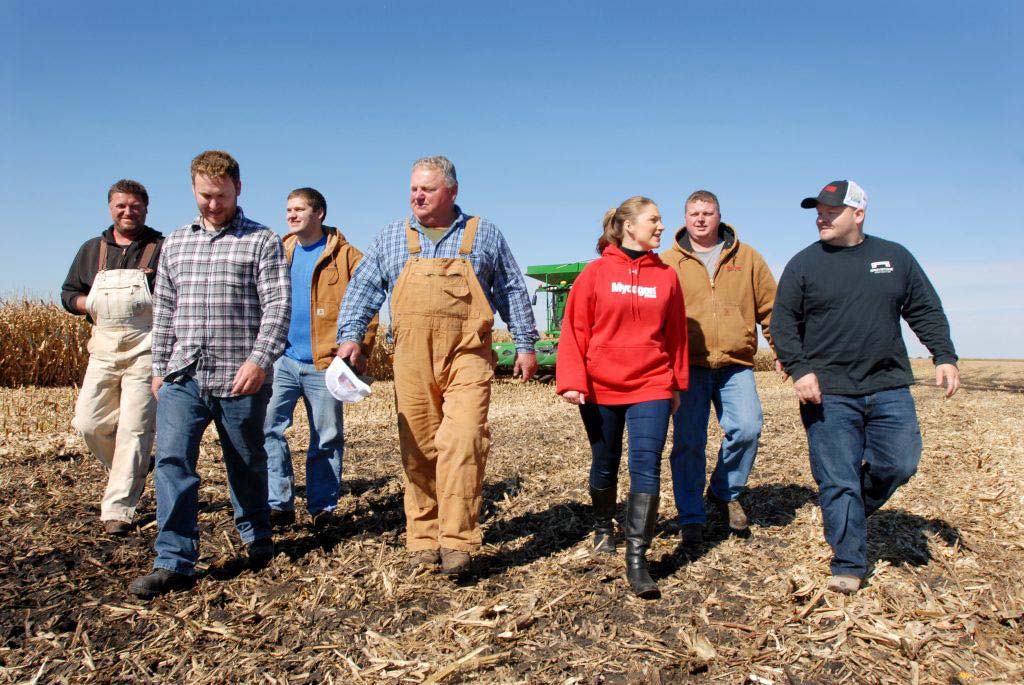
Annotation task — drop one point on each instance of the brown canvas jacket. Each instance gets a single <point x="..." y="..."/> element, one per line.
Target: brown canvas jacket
<point x="721" y="313"/>
<point x="330" y="278"/>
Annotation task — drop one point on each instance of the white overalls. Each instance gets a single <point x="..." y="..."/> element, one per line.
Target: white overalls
<point x="116" y="411"/>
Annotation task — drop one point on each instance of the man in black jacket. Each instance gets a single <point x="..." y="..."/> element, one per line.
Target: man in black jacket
<point x="110" y="282"/>
<point x="836" y="329"/>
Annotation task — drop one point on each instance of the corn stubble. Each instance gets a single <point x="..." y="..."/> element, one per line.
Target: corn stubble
<point x="945" y="603"/>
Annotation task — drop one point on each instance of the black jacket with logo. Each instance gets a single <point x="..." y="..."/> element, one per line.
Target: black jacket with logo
<point x="837" y="314"/>
<point x="83" y="269"/>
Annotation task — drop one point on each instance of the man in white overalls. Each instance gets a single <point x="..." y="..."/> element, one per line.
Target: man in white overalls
<point x="110" y="281"/>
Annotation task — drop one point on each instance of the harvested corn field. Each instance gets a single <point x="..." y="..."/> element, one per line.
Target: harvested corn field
<point x="945" y="602"/>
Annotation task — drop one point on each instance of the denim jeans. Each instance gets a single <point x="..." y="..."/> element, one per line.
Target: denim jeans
<point x="648" y="427"/>
<point x="292" y="380"/>
<point x="862" y="448"/>
<point x="732" y="391"/>
<point x="182" y="415"/>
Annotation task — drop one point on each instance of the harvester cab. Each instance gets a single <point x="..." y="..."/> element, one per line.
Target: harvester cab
<point x="555" y="282"/>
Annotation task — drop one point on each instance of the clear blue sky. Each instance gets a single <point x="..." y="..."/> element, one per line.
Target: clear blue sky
<point x="552" y="112"/>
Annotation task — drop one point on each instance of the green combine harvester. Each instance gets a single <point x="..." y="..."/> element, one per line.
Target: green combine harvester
<point x="556" y="281"/>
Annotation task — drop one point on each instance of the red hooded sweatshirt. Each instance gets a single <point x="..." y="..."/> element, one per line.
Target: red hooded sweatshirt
<point x="624" y="332"/>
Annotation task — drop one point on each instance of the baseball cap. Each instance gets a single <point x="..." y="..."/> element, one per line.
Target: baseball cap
<point x="838" y="193"/>
<point x="344" y="384"/>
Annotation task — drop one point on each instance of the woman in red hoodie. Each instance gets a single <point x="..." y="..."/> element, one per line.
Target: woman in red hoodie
<point x="622" y="358"/>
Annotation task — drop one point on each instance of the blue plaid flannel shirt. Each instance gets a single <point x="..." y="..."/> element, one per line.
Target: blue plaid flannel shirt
<point x="221" y="299"/>
<point x="492" y="261"/>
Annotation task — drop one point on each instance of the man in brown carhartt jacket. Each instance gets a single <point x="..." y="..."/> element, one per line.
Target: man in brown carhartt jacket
<point x="728" y="290"/>
<point x="330" y="279"/>
<point x="321" y="263"/>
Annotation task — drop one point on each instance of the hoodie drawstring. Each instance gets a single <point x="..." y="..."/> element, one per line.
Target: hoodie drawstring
<point x="634" y="288"/>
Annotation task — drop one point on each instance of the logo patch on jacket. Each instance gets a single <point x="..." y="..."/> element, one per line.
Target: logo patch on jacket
<point x="881" y="267"/>
<point x="733" y="267"/>
<point x="648" y="292"/>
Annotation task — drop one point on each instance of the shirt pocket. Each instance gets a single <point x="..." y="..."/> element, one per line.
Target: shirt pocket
<point x="235" y="271"/>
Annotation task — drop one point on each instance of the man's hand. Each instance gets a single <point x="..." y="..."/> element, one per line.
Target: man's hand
<point x="676" y="401"/>
<point x="353" y="352"/>
<point x="158" y="383"/>
<point x="781" y="371"/>
<point x="526" y="365"/>
<point x="949" y="376"/>
<point x="248" y="379"/>
<point x="79" y="304"/>
<point x="574" y="397"/>
<point x="807" y="389"/>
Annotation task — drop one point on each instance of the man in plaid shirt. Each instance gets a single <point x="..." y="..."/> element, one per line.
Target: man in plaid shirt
<point x="221" y="309"/>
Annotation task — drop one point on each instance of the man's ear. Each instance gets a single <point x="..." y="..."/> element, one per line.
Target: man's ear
<point x="858" y="216"/>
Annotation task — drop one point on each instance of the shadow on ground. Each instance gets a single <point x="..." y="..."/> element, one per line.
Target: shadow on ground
<point x="767" y="506"/>
<point x="901" y="538"/>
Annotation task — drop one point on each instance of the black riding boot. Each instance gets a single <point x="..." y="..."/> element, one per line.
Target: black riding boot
<point x="604" y="511"/>
<point x="641" y="514"/>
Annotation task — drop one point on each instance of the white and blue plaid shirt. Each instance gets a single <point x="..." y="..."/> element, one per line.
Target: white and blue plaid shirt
<point x="492" y="261"/>
<point x="221" y="299"/>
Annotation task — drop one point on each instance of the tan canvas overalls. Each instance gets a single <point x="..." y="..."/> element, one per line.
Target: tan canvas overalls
<point x="443" y="369"/>
<point x="115" y="411"/>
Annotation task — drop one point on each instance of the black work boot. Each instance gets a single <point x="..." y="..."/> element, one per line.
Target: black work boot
<point x="604" y="511"/>
<point x="260" y="553"/>
<point x="641" y="515"/>
<point x="159" y="582"/>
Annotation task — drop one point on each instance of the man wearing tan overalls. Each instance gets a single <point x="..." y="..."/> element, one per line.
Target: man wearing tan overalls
<point x="110" y="282"/>
<point x="447" y="273"/>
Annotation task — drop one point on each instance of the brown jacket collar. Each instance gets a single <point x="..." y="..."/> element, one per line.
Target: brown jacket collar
<point x="335" y="239"/>
<point x="684" y="248"/>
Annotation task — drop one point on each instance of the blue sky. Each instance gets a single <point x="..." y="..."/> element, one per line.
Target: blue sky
<point x="552" y="112"/>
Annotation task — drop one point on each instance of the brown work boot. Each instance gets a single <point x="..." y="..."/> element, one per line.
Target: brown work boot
<point x="453" y="561"/>
<point x="844" y="584"/>
<point x="281" y="518"/>
<point x="117" y="529"/>
<point x="733" y="513"/>
<point x="691" y="534"/>
<point x="424" y="558"/>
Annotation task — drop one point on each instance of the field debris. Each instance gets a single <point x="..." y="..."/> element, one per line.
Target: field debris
<point x="945" y="602"/>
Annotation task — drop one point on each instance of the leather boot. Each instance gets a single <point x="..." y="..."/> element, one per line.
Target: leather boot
<point x="604" y="510"/>
<point x="641" y="515"/>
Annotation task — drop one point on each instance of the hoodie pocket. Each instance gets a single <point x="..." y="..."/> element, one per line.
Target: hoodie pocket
<point x="625" y="366"/>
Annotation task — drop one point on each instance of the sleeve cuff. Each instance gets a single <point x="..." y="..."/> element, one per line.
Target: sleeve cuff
<point x="797" y="371"/>
<point x="261" y="360"/>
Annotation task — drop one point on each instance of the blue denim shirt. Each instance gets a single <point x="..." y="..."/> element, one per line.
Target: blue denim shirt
<point x="492" y="261"/>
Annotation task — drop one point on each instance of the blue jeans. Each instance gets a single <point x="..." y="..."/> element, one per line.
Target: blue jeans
<point x="648" y="426"/>
<point x="732" y="391"/>
<point x="292" y="380"/>
<point x="182" y="415"/>
<point x="862" y="448"/>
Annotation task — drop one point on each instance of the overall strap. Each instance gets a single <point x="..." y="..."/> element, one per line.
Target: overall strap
<point x="469" y="236"/>
<point x="145" y="262"/>
<point x="412" y="239"/>
<point x="102" y="266"/>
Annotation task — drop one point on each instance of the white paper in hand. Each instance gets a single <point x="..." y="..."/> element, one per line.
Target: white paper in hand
<point x="343" y="383"/>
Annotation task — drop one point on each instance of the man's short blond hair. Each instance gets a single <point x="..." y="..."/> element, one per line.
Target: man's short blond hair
<point x="216" y="164"/>
<point x="703" y="196"/>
